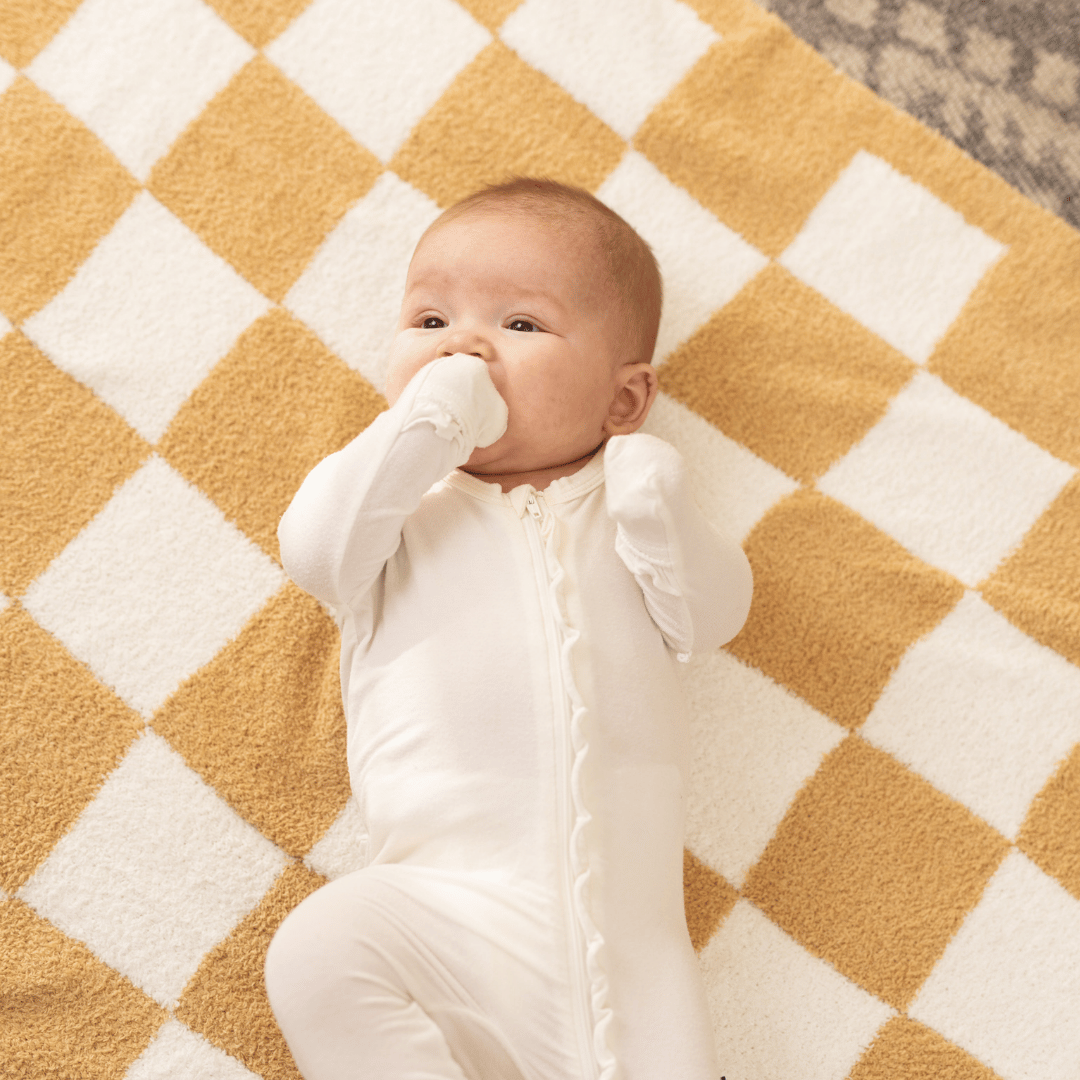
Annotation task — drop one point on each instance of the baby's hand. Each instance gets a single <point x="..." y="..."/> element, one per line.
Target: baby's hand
<point x="638" y="470"/>
<point x="463" y="381"/>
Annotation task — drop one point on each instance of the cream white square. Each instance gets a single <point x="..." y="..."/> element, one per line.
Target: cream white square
<point x="178" y="1052"/>
<point x="703" y="263"/>
<point x="777" y="1011"/>
<point x="138" y="73"/>
<point x="952" y="483"/>
<point x="5" y="326"/>
<point x="343" y="847"/>
<point x="982" y="711"/>
<point x="153" y="587"/>
<point x="886" y="251"/>
<point x="619" y="59"/>
<point x="155" y="872"/>
<point x="1007" y="988"/>
<point x="754" y="745"/>
<point x="732" y="485"/>
<point x="350" y="293"/>
<point x="376" y="68"/>
<point x="7" y="75"/>
<point x="146" y="316"/>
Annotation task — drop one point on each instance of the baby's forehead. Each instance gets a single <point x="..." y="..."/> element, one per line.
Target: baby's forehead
<point x="578" y="232"/>
<point x="577" y="240"/>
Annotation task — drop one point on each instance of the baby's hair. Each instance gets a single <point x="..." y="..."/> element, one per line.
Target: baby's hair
<point x="630" y="263"/>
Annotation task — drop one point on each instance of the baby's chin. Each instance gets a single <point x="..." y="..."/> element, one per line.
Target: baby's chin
<point x="494" y="461"/>
<point x="483" y="467"/>
<point x="502" y="456"/>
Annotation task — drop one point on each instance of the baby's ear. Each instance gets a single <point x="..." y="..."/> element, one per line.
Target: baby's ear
<point x="635" y="390"/>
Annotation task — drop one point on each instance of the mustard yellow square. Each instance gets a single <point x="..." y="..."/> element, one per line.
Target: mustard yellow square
<point x="226" y="998"/>
<point x="906" y="1050"/>
<point x="491" y="13"/>
<point x="260" y="21"/>
<point x="270" y="411"/>
<point x="65" y="452"/>
<point x="61" y="191"/>
<point x="65" y="1012"/>
<point x="782" y="371"/>
<point x="836" y="604"/>
<point x="500" y="118"/>
<point x="1015" y="348"/>
<point x="762" y="126"/>
<point x="264" y="725"/>
<point x="758" y="131"/>
<point x="27" y="26"/>
<point x="1050" y="836"/>
<point x="262" y="175"/>
<point x="1038" y="587"/>
<point x="61" y="734"/>
<point x="874" y="870"/>
<point x="707" y="897"/>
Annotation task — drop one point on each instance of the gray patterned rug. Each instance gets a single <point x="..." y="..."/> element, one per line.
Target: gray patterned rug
<point x="1000" y="78"/>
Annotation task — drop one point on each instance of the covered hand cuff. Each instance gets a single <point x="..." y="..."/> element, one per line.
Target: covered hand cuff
<point x="456" y="395"/>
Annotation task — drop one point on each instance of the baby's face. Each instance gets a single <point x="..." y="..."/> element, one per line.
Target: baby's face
<point x="525" y="296"/>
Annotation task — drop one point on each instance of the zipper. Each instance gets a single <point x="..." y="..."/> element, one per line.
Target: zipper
<point x="534" y="503"/>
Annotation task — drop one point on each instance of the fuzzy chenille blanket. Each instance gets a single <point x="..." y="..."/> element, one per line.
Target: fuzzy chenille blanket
<point x="870" y="357"/>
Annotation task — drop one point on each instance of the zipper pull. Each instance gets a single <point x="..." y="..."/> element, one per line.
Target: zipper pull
<point x="534" y="507"/>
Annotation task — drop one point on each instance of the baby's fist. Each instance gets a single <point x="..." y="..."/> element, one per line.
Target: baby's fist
<point x="638" y="470"/>
<point x="464" y="380"/>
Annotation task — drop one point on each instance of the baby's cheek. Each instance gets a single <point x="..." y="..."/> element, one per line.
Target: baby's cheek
<point x="399" y="372"/>
<point x="577" y="405"/>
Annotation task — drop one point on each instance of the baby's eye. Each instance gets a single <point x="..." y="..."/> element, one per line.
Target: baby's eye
<point x="433" y="322"/>
<point x="524" y="326"/>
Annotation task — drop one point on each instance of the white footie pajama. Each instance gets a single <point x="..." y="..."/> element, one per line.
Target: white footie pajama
<point x="518" y="747"/>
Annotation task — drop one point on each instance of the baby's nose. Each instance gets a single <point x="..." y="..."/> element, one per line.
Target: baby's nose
<point x="467" y="341"/>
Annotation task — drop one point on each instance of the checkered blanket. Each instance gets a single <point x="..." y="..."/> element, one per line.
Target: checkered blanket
<point x="869" y="356"/>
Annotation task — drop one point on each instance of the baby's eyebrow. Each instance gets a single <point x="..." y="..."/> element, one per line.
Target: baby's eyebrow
<point x="531" y="299"/>
<point x="419" y="283"/>
<point x="523" y="300"/>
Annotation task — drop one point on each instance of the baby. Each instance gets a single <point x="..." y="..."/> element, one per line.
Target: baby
<point x="515" y="572"/>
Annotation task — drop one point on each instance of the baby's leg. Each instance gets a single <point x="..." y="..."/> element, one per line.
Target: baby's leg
<point x="344" y="977"/>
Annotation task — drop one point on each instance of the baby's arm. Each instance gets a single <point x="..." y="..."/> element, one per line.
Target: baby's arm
<point x="346" y="519"/>
<point x="696" y="583"/>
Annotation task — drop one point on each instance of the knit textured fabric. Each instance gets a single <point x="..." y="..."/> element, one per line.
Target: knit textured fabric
<point x="867" y="359"/>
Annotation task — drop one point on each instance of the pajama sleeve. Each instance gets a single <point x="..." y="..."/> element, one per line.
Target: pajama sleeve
<point x="345" y="521"/>
<point x="696" y="582"/>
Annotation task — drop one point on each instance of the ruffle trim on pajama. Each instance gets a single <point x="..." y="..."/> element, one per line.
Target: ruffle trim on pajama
<point x="599" y="995"/>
